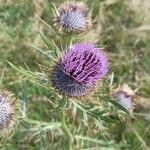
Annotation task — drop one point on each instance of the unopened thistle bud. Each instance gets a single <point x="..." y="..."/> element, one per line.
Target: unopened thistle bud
<point x="124" y="95"/>
<point x="73" y="17"/>
<point x="7" y="111"/>
<point x="78" y="71"/>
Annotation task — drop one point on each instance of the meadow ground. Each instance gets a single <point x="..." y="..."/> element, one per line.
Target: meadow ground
<point x="122" y="28"/>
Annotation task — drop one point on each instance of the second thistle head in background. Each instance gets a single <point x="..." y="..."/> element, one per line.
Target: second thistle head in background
<point x="124" y="95"/>
<point x="73" y="17"/>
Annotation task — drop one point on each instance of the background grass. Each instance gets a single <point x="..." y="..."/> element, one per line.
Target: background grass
<point x="122" y="28"/>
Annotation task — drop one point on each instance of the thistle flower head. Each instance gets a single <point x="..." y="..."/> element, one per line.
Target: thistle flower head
<point x="78" y="71"/>
<point x="124" y="96"/>
<point x="73" y="17"/>
<point x="7" y="111"/>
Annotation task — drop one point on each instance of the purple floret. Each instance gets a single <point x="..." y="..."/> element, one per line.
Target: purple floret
<point x="77" y="72"/>
<point x="85" y="63"/>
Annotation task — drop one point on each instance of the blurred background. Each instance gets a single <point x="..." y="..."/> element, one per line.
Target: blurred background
<point x="122" y="27"/>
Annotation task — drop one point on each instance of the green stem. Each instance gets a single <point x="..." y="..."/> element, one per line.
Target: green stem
<point x="66" y="131"/>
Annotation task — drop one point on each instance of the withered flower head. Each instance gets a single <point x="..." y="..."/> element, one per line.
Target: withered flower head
<point x="7" y="111"/>
<point x="124" y="95"/>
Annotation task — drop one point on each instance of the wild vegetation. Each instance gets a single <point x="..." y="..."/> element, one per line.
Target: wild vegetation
<point x="30" y="46"/>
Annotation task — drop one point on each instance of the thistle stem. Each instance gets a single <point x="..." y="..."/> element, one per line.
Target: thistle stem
<point x="66" y="131"/>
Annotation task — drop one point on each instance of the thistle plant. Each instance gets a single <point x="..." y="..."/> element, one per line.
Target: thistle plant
<point x="8" y="112"/>
<point x="124" y="95"/>
<point x="76" y="74"/>
<point x="73" y="17"/>
<point x="57" y="111"/>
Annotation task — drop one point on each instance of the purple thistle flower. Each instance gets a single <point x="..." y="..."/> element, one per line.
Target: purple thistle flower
<point x="78" y="71"/>
<point x="73" y="17"/>
<point x="7" y="111"/>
